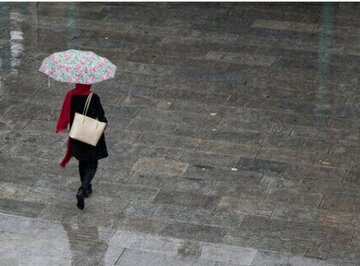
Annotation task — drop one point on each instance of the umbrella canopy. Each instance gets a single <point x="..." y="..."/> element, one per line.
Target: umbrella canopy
<point x="74" y="66"/>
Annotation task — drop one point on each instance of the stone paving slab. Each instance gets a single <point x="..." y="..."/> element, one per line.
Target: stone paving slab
<point x="245" y="206"/>
<point x="281" y="25"/>
<point x="146" y="248"/>
<point x="233" y="135"/>
<point x="173" y="183"/>
<point x="162" y="166"/>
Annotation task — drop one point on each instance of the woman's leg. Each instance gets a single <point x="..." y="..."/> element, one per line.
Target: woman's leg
<point x="80" y="193"/>
<point x="82" y="169"/>
<point x="89" y="173"/>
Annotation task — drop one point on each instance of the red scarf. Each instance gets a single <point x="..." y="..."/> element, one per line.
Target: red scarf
<point x="64" y="118"/>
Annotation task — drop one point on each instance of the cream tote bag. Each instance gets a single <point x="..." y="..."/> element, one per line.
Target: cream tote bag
<point x="86" y="129"/>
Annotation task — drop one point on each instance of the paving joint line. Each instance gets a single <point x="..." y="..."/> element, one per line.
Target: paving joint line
<point x="120" y="256"/>
<point x="321" y="201"/>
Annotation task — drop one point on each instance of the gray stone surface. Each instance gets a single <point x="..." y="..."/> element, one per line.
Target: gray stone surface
<point x="161" y="166"/>
<point x="233" y="135"/>
<point x="135" y="257"/>
<point x="229" y="254"/>
<point x="195" y="232"/>
<point x="187" y="199"/>
<point x="284" y="25"/>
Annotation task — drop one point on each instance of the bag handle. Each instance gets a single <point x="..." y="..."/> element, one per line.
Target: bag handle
<point x="87" y="104"/>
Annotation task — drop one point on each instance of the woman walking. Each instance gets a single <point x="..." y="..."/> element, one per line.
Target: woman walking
<point x="86" y="154"/>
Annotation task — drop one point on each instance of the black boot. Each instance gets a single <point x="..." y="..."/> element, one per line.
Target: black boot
<point x="80" y="199"/>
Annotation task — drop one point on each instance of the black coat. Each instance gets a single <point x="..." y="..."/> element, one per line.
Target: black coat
<point x="80" y="150"/>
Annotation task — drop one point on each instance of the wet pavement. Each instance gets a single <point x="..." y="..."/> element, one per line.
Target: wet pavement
<point x="233" y="135"/>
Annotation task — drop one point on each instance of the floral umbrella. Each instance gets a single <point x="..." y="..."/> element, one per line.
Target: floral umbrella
<point x="74" y="66"/>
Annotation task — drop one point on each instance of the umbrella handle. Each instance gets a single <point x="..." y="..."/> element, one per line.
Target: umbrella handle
<point x="49" y="82"/>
